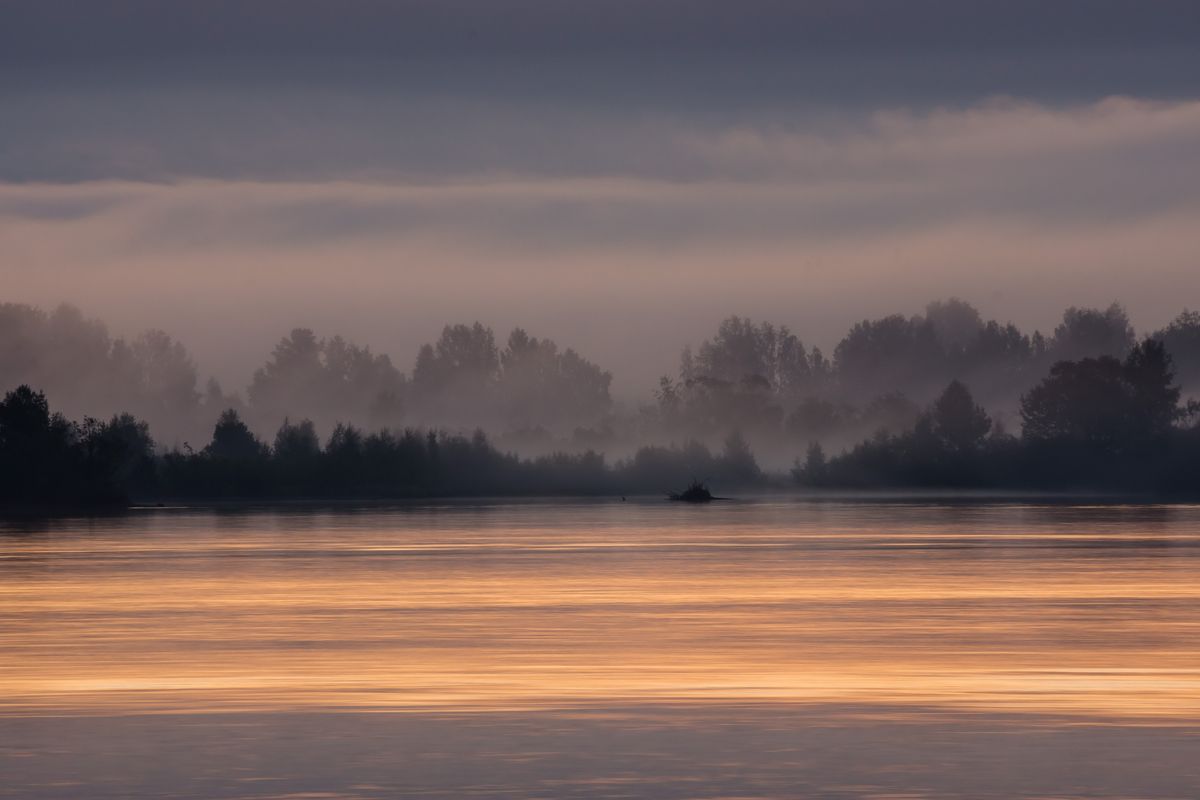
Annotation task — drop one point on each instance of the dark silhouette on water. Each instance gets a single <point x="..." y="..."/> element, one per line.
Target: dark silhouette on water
<point x="696" y="492"/>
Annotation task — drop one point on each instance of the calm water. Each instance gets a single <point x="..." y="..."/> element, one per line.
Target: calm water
<point x="772" y="648"/>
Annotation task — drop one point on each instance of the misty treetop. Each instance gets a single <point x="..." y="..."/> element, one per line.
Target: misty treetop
<point x="464" y="379"/>
<point x="461" y="380"/>
<point x="1096" y="423"/>
<point x="758" y="378"/>
<point x="752" y="377"/>
<point x="75" y="359"/>
<point x="1182" y="340"/>
<point x="760" y="356"/>
<point x="328" y="379"/>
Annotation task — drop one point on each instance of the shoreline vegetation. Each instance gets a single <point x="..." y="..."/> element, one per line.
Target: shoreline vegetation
<point x="1095" y="425"/>
<point x="929" y="402"/>
<point x="536" y="398"/>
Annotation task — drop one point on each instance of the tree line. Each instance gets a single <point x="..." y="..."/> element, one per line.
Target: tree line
<point x="534" y="397"/>
<point x="1100" y="423"/>
<point x="760" y="378"/>
<point x="460" y="381"/>
<point x="48" y="461"/>
<point x="1097" y="423"/>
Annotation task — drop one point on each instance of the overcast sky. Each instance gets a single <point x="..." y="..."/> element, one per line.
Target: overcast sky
<point x="616" y="175"/>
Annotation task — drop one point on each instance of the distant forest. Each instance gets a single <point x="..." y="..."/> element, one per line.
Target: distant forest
<point x="941" y="399"/>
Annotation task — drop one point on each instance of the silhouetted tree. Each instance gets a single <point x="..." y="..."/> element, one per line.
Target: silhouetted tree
<point x="891" y="354"/>
<point x="1105" y="403"/>
<point x="35" y="447"/>
<point x="454" y="377"/>
<point x="1150" y="373"/>
<point x="296" y="442"/>
<point x="813" y="471"/>
<point x="742" y="378"/>
<point x="538" y="385"/>
<point x="326" y="379"/>
<point x="738" y="466"/>
<point x="166" y="373"/>
<point x="1089" y="332"/>
<point x="232" y="440"/>
<point x="296" y="456"/>
<point x="743" y="352"/>
<point x="122" y="454"/>
<point x="958" y="423"/>
<point x="956" y="323"/>
<point x="45" y="459"/>
<point x="1181" y="338"/>
<point x="465" y="357"/>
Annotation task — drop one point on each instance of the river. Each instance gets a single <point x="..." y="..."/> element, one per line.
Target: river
<point x="767" y="648"/>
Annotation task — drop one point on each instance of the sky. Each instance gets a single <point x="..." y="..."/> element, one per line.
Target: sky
<point x="618" y="176"/>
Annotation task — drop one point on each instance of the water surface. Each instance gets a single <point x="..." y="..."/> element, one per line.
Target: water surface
<point x="768" y="648"/>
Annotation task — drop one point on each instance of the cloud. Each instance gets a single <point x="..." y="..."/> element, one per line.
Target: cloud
<point x="1024" y="208"/>
<point x="1000" y="129"/>
<point x="1114" y="159"/>
<point x="62" y="30"/>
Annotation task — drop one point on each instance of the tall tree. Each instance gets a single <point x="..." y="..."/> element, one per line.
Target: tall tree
<point x="1092" y="332"/>
<point x="1182" y="340"/>
<point x="326" y="380"/>
<point x="1105" y="403"/>
<point x="958" y="422"/>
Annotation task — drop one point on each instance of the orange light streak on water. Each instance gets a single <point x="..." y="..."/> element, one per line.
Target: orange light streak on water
<point x="1093" y="611"/>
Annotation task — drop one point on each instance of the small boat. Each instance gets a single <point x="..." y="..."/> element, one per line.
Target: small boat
<point x="696" y="492"/>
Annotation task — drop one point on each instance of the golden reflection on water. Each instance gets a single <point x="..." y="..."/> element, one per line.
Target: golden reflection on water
<point x="1087" y="610"/>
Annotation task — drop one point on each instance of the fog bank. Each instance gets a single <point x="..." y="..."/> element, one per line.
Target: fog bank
<point x="1024" y="208"/>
